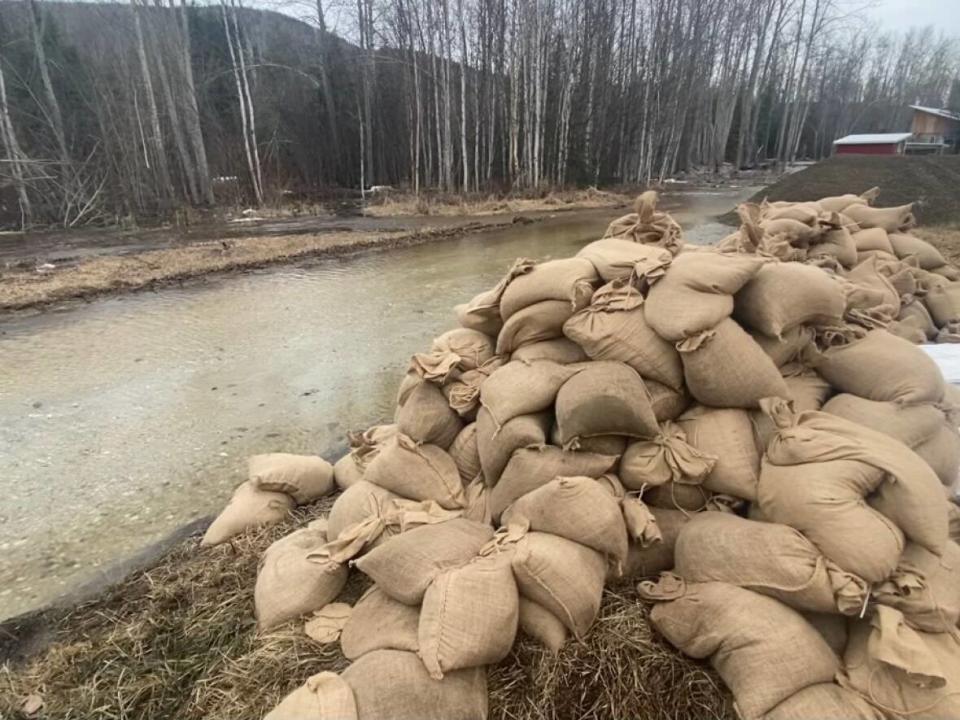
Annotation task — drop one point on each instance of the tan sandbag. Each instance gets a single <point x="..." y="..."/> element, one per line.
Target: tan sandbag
<point x="837" y="243"/>
<point x="914" y="313"/>
<point x="697" y="293"/>
<point x="248" y="508"/>
<point x="782" y="296"/>
<point x="839" y="203"/>
<point x="542" y="625"/>
<point x="469" y="615"/>
<point x="646" y="225"/>
<point x="465" y="454"/>
<point x="941" y="452"/>
<point x="495" y="444"/>
<point x="324" y="696"/>
<point x="667" y="458"/>
<point x="870" y="287"/>
<point x="358" y="504"/>
<point x="613" y="327"/>
<point x="530" y="468"/>
<point x="569" y="279"/>
<point x="769" y="558"/>
<point x="649" y="559"/>
<point x="601" y="444"/>
<point x="725" y="368"/>
<point x="907" y="331"/>
<point x="950" y="272"/>
<point x="824" y="701"/>
<point x="364" y="446"/>
<point x="563" y="576"/>
<point x="575" y="508"/>
<point x="559" y="350"/>
<point x="305" y="478"/>
<point x="882" y="367"/>
<point x="787" y="349"/>
<point x="519" y="388"/>
<point x="910" y="424"/>
<point x="394" y="685"/>
<point x="727" y="435"/>
<point x="891" y="219"/>
<point x="816" y="473"/>
<point x="677" y="496"/>
<point x="295" y="578"/>
<point x="378" y="622"/>
<point x="794" y="232"/>
<point x="418" y="472"/>
<point x="459" y="349"/>
<point x="925" y="588"/>
<point x="904" y="672"/>
<point x="482" y="313"/>
<point x="806" y="213"/>
<point x="604" y="398"/>
<point x="463" y="392"/>
<point x="872" y="239"/>
<point x="346" y="472"/>
<point x="808" y="390"/>
<point x="943" y="302"/>
<point x="534" y="323"/>
<point x="617" y="258"/>
<point x="746" y="635"/>
<point x="667" y="403"/>
<point x="426" y="416"/>
<point x="404" y="567"/>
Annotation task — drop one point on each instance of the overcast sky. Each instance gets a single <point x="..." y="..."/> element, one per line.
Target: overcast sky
<point x="901" y="14"/>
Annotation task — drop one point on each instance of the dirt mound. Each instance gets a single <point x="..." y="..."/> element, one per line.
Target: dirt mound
<point x="931" y="181"/>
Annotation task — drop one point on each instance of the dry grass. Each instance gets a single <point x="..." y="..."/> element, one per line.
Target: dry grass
<point x="97" y="276"/>
<point x="178" y="642"/>
<point x="394" y="204"/>
<point x="946" y="238"/>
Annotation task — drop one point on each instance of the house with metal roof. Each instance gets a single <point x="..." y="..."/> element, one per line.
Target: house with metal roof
<point x="872" y="144"/>
<point x="935" y="130"/>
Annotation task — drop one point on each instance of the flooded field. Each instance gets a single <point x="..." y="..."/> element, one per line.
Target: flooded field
<point x="123" y="419"/>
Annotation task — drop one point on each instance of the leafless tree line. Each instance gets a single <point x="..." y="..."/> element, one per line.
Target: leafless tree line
<point x="185" y="105"/>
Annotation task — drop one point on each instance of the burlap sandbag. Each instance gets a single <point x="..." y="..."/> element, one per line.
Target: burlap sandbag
<point x="305" y="478"/>
<point x="530" y="468"/>
<point x="618" y="258"/>
<point x="378" y="622"/>
<point x="648" y="558"/>
<point x="769" y="558"/>
<point x="943" y="302"/>
<point x="394" y="685"/>
<point x="915" y="314"/>
<point x="807" y="391"/>
<point x="418" y="472"/>
<point x="570" y="280"/>
<point x="764" y="651"/>
<point x="787" y="349"/>
<point x="324" y="696"/>
<point x="725" y="368"/>
<point x="925" y="588"/>
<point x="602" y="444"/>
<point x="872" y="239"/>
<point x="465" y="454"/>
<point x="881" y="366"/>
<point x="646" y="225"/>
<point x="824" y="701"/>
<point x="604" y="398"/>
<point x="816" y="473"/>
<point x="839" y="203"/>
<point x="520" y="388"/>
<point x="907" y="331"/>
<point x="542" y="625"/>
<point x="495" y="444"/>
<point x="667" y="403"/>
<point x="248" y="508"/>
<point x="575" y="508"/>
<point x="904" y="672"/>
<point x="806" y="213"/>
<point x="563" y="576"/>
<point x="613" y="327"/>
<point x="794" y="232"/>
<point x="837" y="243"/>
<point x="941" y="452"/>
<point x="910" y="424"/>
<point x="426" y="416"/>
<point x="482" y="313"/>
<point x="727" y="435"/>
<point x="559" y="350"/>
<point x="346" y="472"/>
<point x="364" y="446"/>
<point x="950" y="272"/>
<point x="782" y="296"/>
<point x="357" y="504"/>
<point x="469" y="615"/>
<point x="463" y="392"/>
<point x="534" y="323"/>
<point x="891" y="219"/>
<point x="295" y="578"/>
<point x="678" y="496"/>
<point x="455" y="351"/>
<point x="404" y="567"/>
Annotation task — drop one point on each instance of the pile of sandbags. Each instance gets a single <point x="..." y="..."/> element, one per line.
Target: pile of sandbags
<point x="752" y="417"/>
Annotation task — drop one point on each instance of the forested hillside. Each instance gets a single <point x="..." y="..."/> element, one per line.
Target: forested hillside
<point x="109" y="111"/>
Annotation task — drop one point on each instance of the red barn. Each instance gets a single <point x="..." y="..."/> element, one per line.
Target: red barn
<point x="873" y="144"/>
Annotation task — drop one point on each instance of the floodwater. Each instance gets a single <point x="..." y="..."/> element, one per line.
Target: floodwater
<point x="128" y="417"/>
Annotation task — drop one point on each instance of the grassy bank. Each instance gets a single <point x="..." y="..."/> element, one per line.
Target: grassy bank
<point x="438" y="204"/>
<point x="178" y="642"/>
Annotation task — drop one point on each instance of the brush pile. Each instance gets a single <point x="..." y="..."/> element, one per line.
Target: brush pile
<point x="754" y="417"/>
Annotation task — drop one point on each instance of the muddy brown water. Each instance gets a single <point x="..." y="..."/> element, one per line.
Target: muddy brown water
<point x="128" y="417"/>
